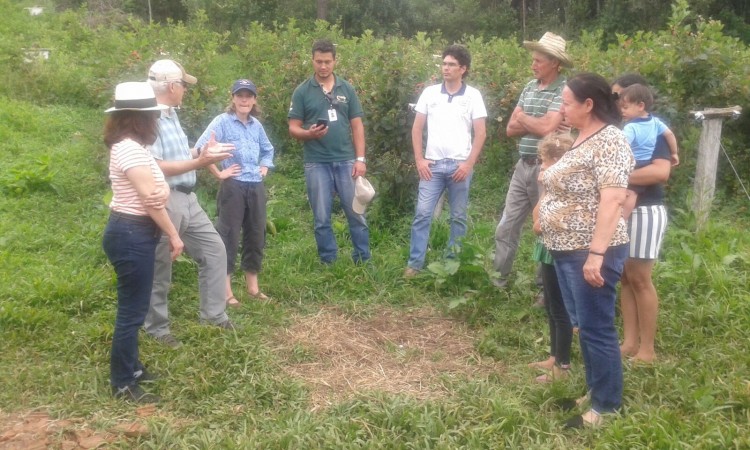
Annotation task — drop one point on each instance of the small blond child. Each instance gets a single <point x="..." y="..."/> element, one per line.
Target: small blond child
<point x="551" y="149"/>
<point x="642" y="130"/>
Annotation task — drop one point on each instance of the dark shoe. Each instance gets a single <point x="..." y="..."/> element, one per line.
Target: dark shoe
<point x="566" y="404"/>
<point x="594" y="420"/>
<point x="575" y="422"/>
<point x="144" y="376"/>
<point x="169" y="340"/>
<point x="134" y="393"/>
<point x="226" y="325"/>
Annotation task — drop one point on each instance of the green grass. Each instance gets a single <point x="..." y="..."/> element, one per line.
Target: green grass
<point x="224" y="390"/>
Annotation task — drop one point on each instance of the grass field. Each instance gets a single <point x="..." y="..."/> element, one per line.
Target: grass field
<point x="344" y="356"/>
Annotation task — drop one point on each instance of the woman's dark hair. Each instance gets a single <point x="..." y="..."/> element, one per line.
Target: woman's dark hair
<point x="461" y="54"/>
<point x="140" y="126"/>
<point x="630" y="79"/>
<point x="595" y="87"/>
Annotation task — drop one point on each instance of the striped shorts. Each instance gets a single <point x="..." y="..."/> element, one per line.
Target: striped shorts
<point x="646" y="229"/>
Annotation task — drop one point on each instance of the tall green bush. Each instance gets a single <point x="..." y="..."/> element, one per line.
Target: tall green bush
<point x="692" y="64"/>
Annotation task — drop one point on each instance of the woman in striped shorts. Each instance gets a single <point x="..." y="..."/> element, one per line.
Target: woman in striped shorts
<point x="639" y="302"/>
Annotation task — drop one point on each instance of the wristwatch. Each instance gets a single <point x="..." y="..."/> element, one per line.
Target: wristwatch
<point x="361" y="159"/>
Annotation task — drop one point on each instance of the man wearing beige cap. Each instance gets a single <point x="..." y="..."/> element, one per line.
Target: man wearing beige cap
<point x="202" y="242"/>
<point x="536" y="115"/>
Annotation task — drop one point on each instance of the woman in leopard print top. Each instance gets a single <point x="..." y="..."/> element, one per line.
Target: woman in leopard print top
<point x="582" y="225"/>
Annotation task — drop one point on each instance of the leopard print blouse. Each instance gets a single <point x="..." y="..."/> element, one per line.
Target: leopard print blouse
<point x="568" y="209"/>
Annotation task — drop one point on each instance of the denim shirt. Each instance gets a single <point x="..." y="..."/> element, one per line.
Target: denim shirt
<point x="252" y="150"/>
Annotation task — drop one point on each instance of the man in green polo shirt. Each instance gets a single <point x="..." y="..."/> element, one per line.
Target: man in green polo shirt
<point x="326" y="116"/>
<point x="536" y="115"/>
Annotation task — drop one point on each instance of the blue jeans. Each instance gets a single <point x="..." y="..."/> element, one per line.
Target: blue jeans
<point x="429" y="193"/>
<point x="130" y="244"/>
<point x="323" y="180"/>
<point x="594" y="311"/>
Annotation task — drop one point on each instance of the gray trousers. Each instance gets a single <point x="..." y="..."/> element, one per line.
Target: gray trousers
<point x="523" y="194"/>
<point x="203" y="244"/>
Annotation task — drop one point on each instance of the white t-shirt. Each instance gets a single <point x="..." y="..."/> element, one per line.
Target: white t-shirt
<point x="449" y="120"/>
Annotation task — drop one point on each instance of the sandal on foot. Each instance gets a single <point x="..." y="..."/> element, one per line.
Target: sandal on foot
<point x="259" y="296"/>
<point x="545" y="378"/>
<point x="232" y="302"/>
<point x="557" y="373"/>
<point x="543" y="365"/>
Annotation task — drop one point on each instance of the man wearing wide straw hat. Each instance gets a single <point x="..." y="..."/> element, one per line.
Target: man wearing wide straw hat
<point x="536" y="115"/>
<point x="202" y="242"/>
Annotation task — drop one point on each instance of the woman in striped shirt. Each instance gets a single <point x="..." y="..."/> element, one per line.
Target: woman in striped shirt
<point x="136" y="220"/>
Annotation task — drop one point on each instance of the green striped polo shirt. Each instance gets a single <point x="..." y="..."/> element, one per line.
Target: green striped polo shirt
<point x="537" y="102"/>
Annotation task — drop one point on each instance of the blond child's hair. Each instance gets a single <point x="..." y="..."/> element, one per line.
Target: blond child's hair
<point x="552" y="147"/>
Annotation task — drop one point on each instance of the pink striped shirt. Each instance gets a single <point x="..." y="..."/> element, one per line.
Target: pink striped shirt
<point x="123" y="156"/>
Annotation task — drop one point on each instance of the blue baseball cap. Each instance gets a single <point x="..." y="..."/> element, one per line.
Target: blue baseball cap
<point x="244" y="84"/>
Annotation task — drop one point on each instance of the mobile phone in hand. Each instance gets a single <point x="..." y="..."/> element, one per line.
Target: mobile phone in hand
<point x="322" y="122"/>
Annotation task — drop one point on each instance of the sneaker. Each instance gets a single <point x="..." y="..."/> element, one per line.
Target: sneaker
<point x="169" y="340"/>
<point x="410" y="272"/>
<point x="144" y="376"/>
<point x="134" y="393"/>
<point x="226" y="325"/>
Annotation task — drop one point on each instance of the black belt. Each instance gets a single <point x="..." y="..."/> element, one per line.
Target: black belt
<point x="531" y="160"/>
<point x="184" y="189"/>
<point x="131" y="217"/>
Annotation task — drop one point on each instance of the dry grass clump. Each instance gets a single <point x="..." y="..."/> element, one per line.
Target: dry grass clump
<point x="392" y="351"/>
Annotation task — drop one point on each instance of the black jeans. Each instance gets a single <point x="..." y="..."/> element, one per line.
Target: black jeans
<point x="560" y="329"/>
<point x="242" y="206"/>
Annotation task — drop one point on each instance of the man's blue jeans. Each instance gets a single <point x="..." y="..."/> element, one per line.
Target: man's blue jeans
<point x="593" y="309"/>
<point x="130" y="244"/>
<point x="323" y="180"/>
<point x="429" y="193"/>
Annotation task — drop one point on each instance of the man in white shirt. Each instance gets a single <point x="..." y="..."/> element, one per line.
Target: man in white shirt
<point x="451" y="111"/>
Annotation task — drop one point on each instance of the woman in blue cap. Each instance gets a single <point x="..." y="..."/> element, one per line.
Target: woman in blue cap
<point x="241" y="202"/>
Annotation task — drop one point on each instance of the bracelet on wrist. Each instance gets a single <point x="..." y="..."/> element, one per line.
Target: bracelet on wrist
<point x="596" y="253"/>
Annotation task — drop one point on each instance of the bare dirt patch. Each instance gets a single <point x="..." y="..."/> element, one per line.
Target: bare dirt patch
<point x="38" y="431"/>
<point x="411" y="353"/>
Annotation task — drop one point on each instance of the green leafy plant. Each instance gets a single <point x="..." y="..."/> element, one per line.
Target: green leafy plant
<point x="462" y="270"/>
<point x="31" y="178"/>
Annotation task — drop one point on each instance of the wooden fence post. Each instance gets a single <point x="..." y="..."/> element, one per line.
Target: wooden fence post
<point x="704" y="184"/>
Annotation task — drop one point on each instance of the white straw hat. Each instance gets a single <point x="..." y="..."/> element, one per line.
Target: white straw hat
<point x="135" y="96"/>
<point x="363" y="195"/>
<point x="552" y="45"/>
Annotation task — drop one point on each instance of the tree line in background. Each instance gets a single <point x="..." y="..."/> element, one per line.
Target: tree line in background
<point x="691" y="62"/>
<point x="451" y="19"/>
